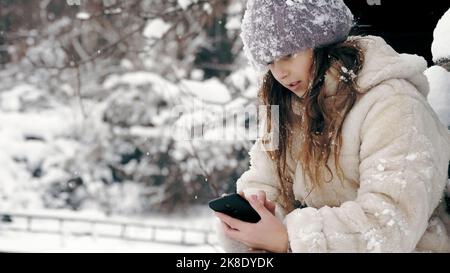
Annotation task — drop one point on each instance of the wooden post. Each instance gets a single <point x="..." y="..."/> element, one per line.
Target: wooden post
<point x="29" y="223"/>
<point x="152" y="233"/>
<point x="93" y="230"/>
<point x="124" y="229"/>
<point x="183" y="236"/>
<point x="61" y="226"/>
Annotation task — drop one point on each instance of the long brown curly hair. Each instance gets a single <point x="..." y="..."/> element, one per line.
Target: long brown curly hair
<point x="321" y="116"/>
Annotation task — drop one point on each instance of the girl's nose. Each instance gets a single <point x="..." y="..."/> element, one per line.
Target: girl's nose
<point x="281" y="72"/>
<point x="283" y="75"/>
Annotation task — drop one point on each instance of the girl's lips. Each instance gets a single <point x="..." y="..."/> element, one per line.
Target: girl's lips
<point x="295" y="84"/>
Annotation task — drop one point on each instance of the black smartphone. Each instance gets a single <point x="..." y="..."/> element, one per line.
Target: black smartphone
<point x="235" y="206"/>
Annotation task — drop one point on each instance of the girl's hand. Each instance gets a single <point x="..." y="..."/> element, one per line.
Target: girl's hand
<point x="268" y="234"/>
<point x="270" y="206"/>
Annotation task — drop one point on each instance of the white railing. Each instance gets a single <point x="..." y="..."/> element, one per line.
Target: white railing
<point x="118" y="229"/>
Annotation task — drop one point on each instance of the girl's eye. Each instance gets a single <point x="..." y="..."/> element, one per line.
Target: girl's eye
<point x="271" y="63"/>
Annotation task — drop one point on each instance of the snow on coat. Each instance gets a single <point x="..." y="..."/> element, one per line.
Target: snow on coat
<point x="394" y="148"/>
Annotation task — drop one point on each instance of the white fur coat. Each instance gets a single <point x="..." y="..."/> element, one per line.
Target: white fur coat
<point x="396" y="150"/>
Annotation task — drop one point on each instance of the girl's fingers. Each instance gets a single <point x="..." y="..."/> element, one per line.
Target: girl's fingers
<point x="270" y="206"/>
<point x="230" y="221"/>
<point x="262" y="196"/>
<point x="259" y="206"/>
<point x="230" y="232"/>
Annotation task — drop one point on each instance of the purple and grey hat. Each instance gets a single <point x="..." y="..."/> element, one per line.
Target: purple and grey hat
<point x="275" y="28"/>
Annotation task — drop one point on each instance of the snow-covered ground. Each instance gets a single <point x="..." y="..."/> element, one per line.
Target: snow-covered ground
<point x="81" y="236"/>
<point x="13" y="241"/>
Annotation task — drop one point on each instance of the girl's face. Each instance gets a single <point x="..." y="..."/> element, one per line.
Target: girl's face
<point x="293" y="71"/>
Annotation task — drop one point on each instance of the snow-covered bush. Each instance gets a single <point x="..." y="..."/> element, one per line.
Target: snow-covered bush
<point x="87" y="105"/>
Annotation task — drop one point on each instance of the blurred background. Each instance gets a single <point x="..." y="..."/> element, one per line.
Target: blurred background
<point x="90" y="160"/>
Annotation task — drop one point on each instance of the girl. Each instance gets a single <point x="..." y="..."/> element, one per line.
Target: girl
<point x="362" y="159"/>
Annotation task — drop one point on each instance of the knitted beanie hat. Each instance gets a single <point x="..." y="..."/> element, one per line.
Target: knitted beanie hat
<point x="275" y="28"/>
